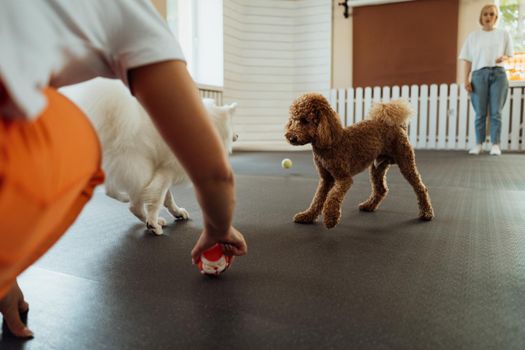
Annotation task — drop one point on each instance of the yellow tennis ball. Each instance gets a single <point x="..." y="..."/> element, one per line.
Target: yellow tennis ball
<point x="286" y="163"/>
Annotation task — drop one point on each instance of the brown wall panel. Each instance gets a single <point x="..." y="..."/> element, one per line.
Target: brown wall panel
<point x="405" y="43"/>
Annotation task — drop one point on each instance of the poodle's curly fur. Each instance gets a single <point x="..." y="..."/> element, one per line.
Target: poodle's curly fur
<point x="340" y="153"/>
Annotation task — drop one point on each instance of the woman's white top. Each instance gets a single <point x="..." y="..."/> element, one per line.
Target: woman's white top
<point x="482" y="48"/>
<point x="61" y="42"/>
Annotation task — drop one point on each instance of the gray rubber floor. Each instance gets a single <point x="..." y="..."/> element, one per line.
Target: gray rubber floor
<point x="380" y="280"/>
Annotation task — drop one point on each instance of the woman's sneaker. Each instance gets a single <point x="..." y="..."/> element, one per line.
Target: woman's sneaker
<point x="475" y="150"/>
<point x="495" y="150"/>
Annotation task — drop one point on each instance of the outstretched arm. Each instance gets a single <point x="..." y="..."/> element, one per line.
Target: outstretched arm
<point x="169" y="95"/>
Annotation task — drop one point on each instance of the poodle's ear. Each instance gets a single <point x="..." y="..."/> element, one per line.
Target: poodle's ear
<point x="329" y="124"/>
<point x="324" y="134"/>
<point x="328" y="128"/>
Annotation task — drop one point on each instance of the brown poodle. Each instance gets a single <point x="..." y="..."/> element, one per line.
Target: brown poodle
<point x="340" y="153"/>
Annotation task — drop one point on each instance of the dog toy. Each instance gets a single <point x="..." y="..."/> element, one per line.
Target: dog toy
<point x="213" y="261"/>
<point x="286" y="163"/>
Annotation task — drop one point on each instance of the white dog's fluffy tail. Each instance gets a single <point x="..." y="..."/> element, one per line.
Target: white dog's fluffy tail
<point x="396" y="112"/>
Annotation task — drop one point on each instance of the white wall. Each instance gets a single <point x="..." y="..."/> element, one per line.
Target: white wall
<point x="274" y="50"/>
<point x="341" y="47"/>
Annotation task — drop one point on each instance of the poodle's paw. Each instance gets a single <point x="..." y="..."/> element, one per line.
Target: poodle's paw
<point x="331" y="221"/>
<point x="331" y="215"/>
<point x="304" y="217"/>
<point x="181" y="214"/>
<point x="367" y="206"/>
<point x="426" y="215"/>
<point x="155" y="228"/>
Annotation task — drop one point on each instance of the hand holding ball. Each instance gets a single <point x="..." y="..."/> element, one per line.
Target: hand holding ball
<point x="286" y="163"/>
<point x="213" y="261"/>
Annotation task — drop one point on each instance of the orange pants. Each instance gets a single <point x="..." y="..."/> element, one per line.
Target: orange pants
<point x="48" y="171"/>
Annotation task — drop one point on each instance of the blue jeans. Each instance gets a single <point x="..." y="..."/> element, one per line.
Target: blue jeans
<point x="489" y="89"/>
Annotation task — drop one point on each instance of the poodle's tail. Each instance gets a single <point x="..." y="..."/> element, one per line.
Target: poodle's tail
<point x="396" y="112"/>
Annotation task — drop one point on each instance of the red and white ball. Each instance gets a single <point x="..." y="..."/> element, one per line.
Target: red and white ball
<point x="213" y="261"/>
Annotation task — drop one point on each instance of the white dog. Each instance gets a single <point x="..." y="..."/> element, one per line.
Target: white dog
<point x="140" y="168"/>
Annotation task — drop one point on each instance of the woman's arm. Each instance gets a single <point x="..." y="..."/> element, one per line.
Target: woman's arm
<point x="171" y="98"/>
<point x="502" y="59"/>
<point x="467" y="67"/>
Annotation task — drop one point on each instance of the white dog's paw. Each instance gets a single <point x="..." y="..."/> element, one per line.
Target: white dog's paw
<point x="181" y="214"/>
<point x="155" y="228"/>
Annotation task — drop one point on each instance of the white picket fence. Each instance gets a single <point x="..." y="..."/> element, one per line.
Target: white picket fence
<point x="443" y="118"/>
<point x="214" y="92"/>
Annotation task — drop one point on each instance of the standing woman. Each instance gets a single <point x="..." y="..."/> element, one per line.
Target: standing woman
<point x="483" y="54"/>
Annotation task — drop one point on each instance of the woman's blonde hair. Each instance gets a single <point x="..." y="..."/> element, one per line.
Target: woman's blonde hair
<point x="486" y="7"/>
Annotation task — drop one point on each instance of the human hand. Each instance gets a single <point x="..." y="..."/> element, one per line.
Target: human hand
<point x="500" y="59"/>
<point x="232" y="243"/>
<point x="468" y="87"/>
<point x="11" y="305"/>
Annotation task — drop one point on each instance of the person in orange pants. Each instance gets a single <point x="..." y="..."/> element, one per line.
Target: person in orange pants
<point x="48" y="171"/>
<point x="49" y="152"/>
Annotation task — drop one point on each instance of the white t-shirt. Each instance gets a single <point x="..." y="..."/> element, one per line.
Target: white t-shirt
<point x="482" y="48"/>
<point x="61" y="42"/>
